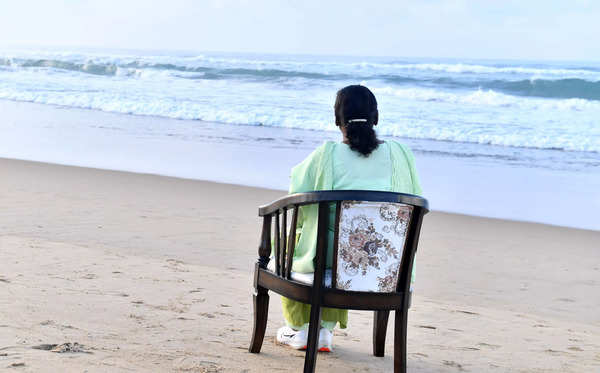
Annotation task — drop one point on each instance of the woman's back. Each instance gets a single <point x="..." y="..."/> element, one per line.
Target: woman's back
<point x="332" y="167"/>
<point x="354" y="171"/>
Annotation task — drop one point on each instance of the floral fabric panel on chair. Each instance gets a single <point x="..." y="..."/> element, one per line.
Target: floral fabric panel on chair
<point x="370" y="245"/>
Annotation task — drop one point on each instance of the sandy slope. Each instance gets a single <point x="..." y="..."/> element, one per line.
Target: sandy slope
<point x="149" y="273"/>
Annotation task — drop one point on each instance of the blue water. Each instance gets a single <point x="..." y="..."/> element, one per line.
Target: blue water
<point x="510" y="139"/>
<point x="527" y="113"/>
<point x="536" y="105"/>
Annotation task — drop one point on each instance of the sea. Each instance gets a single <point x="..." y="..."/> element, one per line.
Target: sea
<point x="506" y="139"/>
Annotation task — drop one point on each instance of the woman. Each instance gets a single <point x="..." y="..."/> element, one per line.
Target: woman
<point x="360" y="162"/>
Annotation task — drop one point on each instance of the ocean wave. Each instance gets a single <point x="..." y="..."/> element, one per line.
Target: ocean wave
<point x="591" y="72"/>
<point x="88" y="67"/>
<point x="536" y="108"/>
<point x="131" y="68"/>
<point x="397" y="124"/>
<point x="486" y="98"/>
<point x="77" y="61"/>
<point x="550" y="88"/>
<point x="462" y="68"/>
<point x="563" y="88"/>
<point x="586" y="86"/>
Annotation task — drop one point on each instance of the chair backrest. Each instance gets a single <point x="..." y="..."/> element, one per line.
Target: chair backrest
<point x="371" y="238"/>
<point x="376" y="236"/>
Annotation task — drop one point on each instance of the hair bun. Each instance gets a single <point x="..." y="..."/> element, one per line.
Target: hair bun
<point x="356" y="111"/>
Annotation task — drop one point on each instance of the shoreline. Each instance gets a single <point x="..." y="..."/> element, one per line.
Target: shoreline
<point x="478" y="186"/>
<point x="282" y="191"/>
<point x="131" y="266"/>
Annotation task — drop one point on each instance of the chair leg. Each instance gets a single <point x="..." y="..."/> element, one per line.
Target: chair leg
<point x="261" y="313"/>
<point x="380" y="321"/>
<point x="400" y="326"/>
<point x="310" y="359"/>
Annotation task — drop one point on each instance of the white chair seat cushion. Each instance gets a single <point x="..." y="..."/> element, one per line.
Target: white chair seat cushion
<point x="306" y="278"/>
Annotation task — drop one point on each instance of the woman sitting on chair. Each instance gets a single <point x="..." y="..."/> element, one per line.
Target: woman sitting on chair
<point x="360" y="162"/>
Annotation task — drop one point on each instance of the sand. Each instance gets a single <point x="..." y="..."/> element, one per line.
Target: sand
<point x="104" y="271"/>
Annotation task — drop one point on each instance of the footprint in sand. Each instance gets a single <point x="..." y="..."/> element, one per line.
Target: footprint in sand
<point x="568" y="300"/>
<point x="59" y="326"/>
<point x="45" y="347"/>
<point x="487" y="345"/>
<point x="454" y="364"/>
<point x="467" y="312"/>
<point x="468" y="349"/>
<point x="136" y="317"/>
<point x="223" y="314"/>
<point x="556" y="352"/>
<point x="176" y="265"/>
<point x="175" y="262"/>
<point x="69" y="347"/>
<point x="173" y="307"/>
<point x="178" y="307"/>
<point x="188" y="364"/>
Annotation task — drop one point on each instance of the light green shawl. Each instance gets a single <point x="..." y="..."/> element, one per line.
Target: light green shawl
<point x="316" y="173"/>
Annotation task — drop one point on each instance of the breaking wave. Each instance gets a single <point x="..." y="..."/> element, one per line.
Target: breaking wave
<point x="524" y="104"/>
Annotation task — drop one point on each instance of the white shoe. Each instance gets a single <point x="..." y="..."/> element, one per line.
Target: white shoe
<point x="294" y="338"/>
<point x="325" y="340"/>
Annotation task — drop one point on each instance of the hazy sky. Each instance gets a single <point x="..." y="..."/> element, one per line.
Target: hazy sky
<point x="528" y="29"/>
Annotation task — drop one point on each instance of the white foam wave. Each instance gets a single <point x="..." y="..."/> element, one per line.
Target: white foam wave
<point x="536" y="73"/>
<point x="399" y="122"/>
<point x="489" y="98"/>
<point x="310" y="64"/>
<point x="477" y="116"/>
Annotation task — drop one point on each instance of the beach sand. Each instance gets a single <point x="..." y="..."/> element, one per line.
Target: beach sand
<point x="153" y="274"/>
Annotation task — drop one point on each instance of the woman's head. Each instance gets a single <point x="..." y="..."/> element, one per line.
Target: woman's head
<point x="356" y="114"/>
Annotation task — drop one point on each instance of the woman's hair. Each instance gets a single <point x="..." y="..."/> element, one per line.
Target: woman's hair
<point x="356" y="110"/>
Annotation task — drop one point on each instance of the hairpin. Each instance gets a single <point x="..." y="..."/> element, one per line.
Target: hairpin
<point x="356" y="120"/>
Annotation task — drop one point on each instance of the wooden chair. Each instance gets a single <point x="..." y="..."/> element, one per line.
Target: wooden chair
<point x="375" y="241"/>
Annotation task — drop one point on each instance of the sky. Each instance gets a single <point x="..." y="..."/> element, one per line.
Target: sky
<point x="506" y="29"/>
